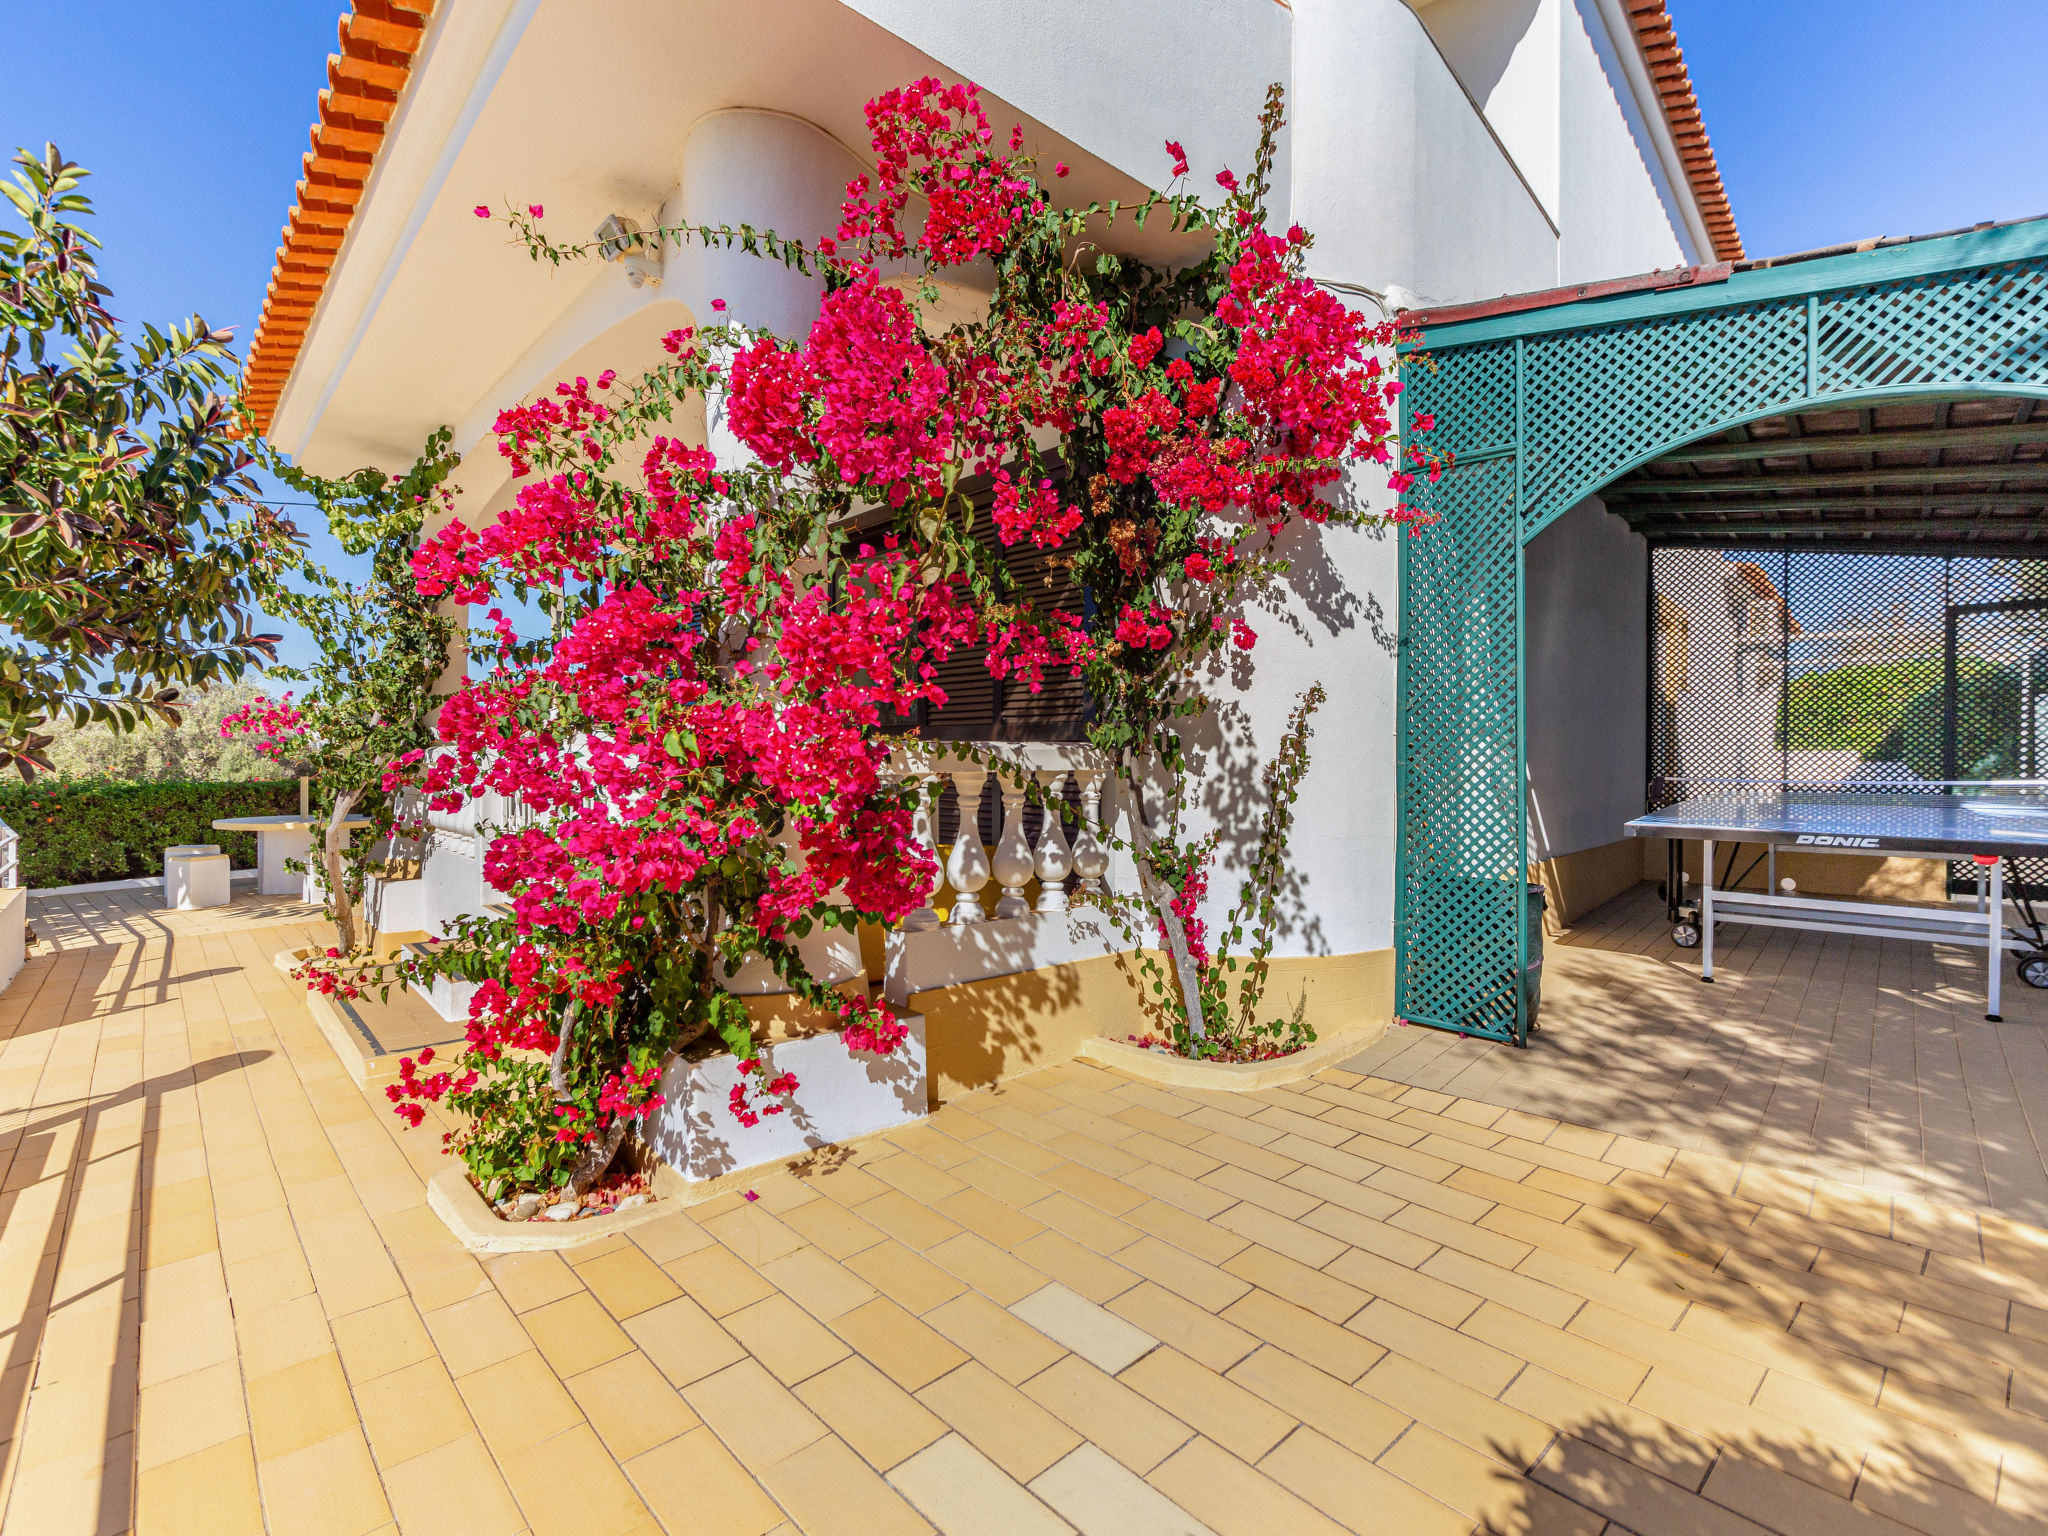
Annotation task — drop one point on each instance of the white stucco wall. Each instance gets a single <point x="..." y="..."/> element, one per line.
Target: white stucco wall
<point x="1618" y="215"/>
<point x="1396" y="172"/>
<point x="1585" y="589"/>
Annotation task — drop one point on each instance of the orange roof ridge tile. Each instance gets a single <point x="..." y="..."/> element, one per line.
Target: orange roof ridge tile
<point x="1658" y="41"/>
<point x="377" y="41"/>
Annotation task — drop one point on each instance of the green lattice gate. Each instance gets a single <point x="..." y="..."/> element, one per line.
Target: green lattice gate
<point x="1543" y="408"/>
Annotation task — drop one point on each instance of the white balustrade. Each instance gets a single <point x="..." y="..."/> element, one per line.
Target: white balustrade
<point x="1024" y="772"/>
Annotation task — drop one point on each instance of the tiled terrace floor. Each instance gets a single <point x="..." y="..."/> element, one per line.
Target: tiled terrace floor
<point x="1077" y="1303"/>
<point x="1861" y="1060"/>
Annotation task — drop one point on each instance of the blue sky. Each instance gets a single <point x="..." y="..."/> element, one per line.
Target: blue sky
<point x="1833" y="120"/>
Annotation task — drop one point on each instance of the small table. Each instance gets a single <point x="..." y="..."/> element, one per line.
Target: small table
<point x="279" y="838"/>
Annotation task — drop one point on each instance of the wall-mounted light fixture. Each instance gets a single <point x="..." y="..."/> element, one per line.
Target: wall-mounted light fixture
<point x="622" y="240"/>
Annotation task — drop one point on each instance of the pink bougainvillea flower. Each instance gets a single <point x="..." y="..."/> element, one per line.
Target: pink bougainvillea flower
<point x="536" y="210"/>
<point x="1180" y="158"/>
<point x="482" y="210"/>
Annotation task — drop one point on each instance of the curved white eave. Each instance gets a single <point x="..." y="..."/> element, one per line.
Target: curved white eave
<point x="466" y="49"/>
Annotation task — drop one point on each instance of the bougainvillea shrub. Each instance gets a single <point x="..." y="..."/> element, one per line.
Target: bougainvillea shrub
<point x="700" y="748"/>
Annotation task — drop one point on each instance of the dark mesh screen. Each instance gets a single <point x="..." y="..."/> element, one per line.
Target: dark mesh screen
<point x="1823" y="669"/>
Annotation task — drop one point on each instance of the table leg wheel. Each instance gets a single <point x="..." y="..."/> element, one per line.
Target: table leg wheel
<point x="1686" y="935"/>
<point x="2034" y="970"/>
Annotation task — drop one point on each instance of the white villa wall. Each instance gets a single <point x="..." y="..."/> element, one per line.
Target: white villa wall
<point x="1585" y="583"/>
<point x="1417" y="185"/>
<point x="1619" y="214"/>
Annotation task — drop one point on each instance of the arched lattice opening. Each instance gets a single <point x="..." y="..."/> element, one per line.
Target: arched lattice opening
<point x="1647" y="397"/>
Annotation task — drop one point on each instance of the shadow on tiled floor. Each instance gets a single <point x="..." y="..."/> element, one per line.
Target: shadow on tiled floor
<point x="1074" y="1303"/>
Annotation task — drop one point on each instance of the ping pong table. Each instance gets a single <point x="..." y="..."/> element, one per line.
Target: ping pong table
<point x="1990" y="825"/>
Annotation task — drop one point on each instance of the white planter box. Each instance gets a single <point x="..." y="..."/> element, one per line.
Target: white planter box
<point x="840" y="1094"/>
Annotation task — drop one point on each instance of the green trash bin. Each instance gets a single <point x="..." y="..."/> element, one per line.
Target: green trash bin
<point x="1532" y="966"/>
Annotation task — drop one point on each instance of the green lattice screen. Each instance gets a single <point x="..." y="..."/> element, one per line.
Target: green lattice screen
<point x="1545" y="408"/>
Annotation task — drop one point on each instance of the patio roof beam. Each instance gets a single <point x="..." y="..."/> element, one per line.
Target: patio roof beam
<point x="1929" y="439"/>
<point x="1957" y="474"/>
<point x="1640" y="514"/>
<point x="2026" y="527"/>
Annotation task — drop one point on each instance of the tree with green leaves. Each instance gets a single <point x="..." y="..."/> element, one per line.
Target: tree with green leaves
<point x="368" y="700"/>
<point x="132" y="541"/>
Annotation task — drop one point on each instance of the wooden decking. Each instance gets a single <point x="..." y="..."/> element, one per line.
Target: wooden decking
<point x="1861" y="1060"/>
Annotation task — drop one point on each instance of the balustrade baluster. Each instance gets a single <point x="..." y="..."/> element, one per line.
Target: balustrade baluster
<point x="1054" y="861"/>
<point x="1013" y="862"/>
<point x="922" y="830"/>
<point x="1090" y="857"/>
<point x="967" y="866"/>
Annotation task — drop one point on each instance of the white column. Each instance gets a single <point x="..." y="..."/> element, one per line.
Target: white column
<point x="967" y="868"/>
<point x="1053" y="861"/>
<point x="1090" y="858"/>
<point x="1013" y="863"/>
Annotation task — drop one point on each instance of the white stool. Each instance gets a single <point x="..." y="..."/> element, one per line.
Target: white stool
<point x="179" y="851"/>
<point x="195" y="880"/>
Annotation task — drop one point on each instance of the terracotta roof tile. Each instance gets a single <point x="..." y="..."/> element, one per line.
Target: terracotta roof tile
<point x="378" y="40"/>
<point x="1659" y="44"/>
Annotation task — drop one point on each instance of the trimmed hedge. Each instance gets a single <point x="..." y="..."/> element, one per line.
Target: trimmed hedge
<point x="77" y="831"/>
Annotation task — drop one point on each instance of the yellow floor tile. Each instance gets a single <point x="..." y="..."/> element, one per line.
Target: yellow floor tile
<point x="961" y="1490"/>
<point x="570" y="1486"/>
<point x="529" y="1280"/>
<point x="476" y="1333"/>
<point x="1004" y="1425"/>
<point x="1110" y="1414"/>
<point x="870" y="1412"/>
<point x="1233" y="1499"/>
<point x="208" y="1493"/>
<point x="575" y="1333"/>
<point x="190" y="1413"/>
<point x="1355" y="1491"/>
<point x="905" y="1350"/>
<point x="454" y="1489"/>
<point x="517" y="1403"/>
<point x="694" y="1485"/>
<point x="1243" y="1423"/>
<point x="411" y="1411"/>
<point x="753" y="1413"/>
<point x="631" y="1405"/>
<point x="903" y="1276"/>
<point x="717" y="1281"/>
<point x="628" y="1282"/>
<point x="828" y="1489"/>
<point x="786" y="1339"/>
<point x="299" y="1406"/>
<point x="1359" y="1423"/>
<point x="329" y="1488"/>
<point x="683" y="1341"/>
